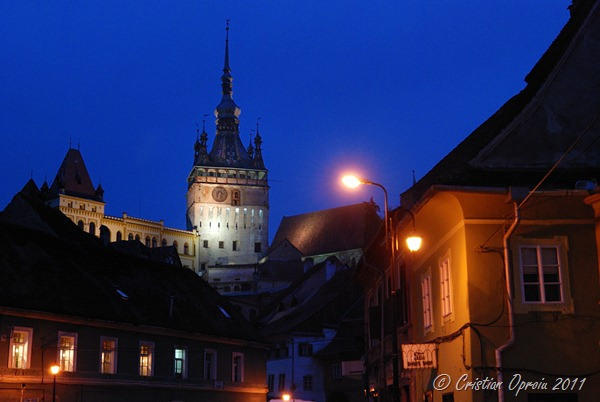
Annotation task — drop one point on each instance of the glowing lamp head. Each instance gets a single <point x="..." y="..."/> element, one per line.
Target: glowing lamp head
<point x="351" y="181"/>
<point x="54" y="369"/>
<point x="414" y="242"/>
<point x="286" y="397"/>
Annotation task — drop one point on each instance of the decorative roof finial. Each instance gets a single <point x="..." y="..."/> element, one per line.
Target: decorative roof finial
<point x="226" y="68"/>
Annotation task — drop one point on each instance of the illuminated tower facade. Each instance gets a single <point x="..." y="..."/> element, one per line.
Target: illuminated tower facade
<point x="228" y="191"/>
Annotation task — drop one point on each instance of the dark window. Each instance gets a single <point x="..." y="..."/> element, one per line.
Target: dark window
<point x="147" y="241"/>
<point x="203" y="266"/>
<point x="307" y="382"/>
<point x="221" y="244"/>
<point x="271" y="382"/>
<point x="448" y="397"/>
<point x="104" y="234"/>
<point x="235" y="197"/>
<point x="305" y="349"/>
<point x="176" y="246"/>
<point x="257" y="247"/>
<point x="130" y="236"/>
<point x="92" y="228"/>
<point x="137" y="237"/>
<point x="80" y="224"/>
<point x="205" y="244"/>
<point x="154" y="242"/>
<point x="186" y="249"/>
<point x="234" y="245"/>
<point x="281" y="386"/>
<point x="163" y="243"/>
<point x="119" y="236"/>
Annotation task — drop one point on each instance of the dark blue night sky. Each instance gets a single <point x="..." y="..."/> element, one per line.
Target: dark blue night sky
<point x="378" y="87"/>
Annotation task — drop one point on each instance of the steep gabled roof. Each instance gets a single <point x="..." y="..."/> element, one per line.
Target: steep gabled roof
<point x="529" y="133"/>
<point x="329" y="230"/>
<point x="63" y="270"/>
<point x="73" y="178"/>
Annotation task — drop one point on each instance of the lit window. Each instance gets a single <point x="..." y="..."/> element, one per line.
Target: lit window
<point x="307" y="382"/>
<point x="66" y="351"/>
<point x="108" y="355"/>
<point x="179" y="363"/>
<point x="237" y="369"/>
<point x="426" y="297"/>
<point x="20" y="348"/>
<point x="271" y="382"/>
<point x="146" y="354"/>
<point x="541" y="274"/>
<point x="210" y="364"/>
<point x="446" y="288"/>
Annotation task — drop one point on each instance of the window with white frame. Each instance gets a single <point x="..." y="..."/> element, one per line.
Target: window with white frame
<point x="146" y="358"/>
<point x="237" y="367"/>
<point x="541" y="274"/>
<point x="210" y="364"/>
<point x="179" y="362"/>
<point x="67" y="344"/>
<point x="20" y="348"/>
<point x="446" y="288"/>
<point x="426" y="298"/>
<point x="108" y="355"/>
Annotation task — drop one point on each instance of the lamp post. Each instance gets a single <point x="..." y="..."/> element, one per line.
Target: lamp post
<point x="413" y="243"/>
<point x="54" y="370"/>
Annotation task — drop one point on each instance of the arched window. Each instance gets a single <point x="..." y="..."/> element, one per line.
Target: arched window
<point x="92" y="228"/>
<point x="119" y="236"/>
<point x="147" y="241"/>
<point x="80" y="224"/>
<point x="137" y="237"/>
<point x="104" y="234"/>
<point x="186" y="249"/>
<point x="154" y="242"/>
<point x="163" y="243"/>
<point x="176" y="245"/>
<point x="130" y="236"/>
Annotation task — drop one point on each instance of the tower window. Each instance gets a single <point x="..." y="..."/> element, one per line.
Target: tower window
<point x="234" y="245"/>
<point x="258" y="247"/>
<point x="221" y="244"/>
<point x="235" y="197"/>
<point x="205" y="244"/>
<point x="137" y="237"/>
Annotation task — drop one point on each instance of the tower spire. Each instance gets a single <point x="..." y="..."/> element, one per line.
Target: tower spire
<point x="226" y="68"/>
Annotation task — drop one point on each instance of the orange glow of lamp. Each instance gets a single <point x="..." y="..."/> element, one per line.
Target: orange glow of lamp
<point x="286" y="397"/>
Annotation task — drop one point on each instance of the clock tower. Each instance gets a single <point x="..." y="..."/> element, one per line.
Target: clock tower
<point x="228" y="191"/>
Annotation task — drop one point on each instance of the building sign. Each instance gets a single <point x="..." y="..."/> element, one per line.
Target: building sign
<point x="419" y="355"/>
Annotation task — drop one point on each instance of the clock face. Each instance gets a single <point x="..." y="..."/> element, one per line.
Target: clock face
<point x="219" y="194"/>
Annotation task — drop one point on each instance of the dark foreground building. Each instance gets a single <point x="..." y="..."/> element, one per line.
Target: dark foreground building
<point x="122" y="325"/>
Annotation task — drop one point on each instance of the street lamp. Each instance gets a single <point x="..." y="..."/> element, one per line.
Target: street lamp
<point x="54" y="370"/>
<point x="413" y="242"/>
<point x="286" y="397"/>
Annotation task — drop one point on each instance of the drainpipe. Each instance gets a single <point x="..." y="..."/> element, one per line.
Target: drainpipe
<point x="511" y="337"/>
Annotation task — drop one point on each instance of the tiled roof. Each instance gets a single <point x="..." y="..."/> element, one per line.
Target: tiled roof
<point x="57" y="268"/>
<point x="72" y="178"/>
<point x="329" y="230"/>
<point x="525" y="137"/>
